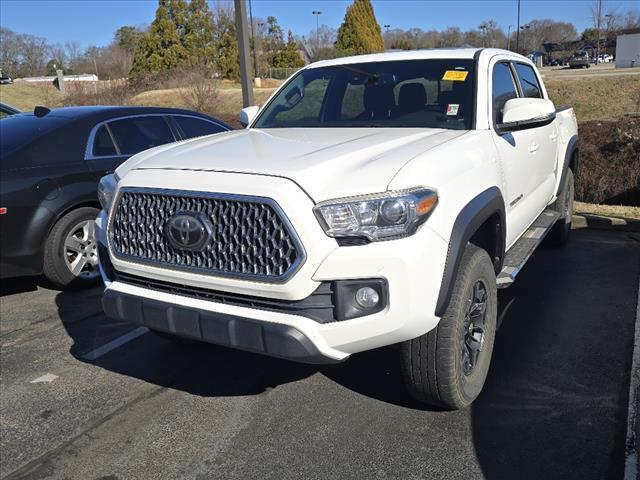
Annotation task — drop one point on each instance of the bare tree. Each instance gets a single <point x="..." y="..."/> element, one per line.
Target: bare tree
<point x="597" y="16"/>
<point x="73" y="51"/>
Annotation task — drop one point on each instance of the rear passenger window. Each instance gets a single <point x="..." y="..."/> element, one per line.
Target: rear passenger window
<point x="102" y="144"/>
<point x="528" y="81"/>
<point x="504" y="88"/>
<point x="197" y="127"/>
<point x="136" y="134"/>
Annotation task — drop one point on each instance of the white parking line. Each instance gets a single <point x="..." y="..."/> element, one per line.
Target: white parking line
<point x="46" y="378"/>
<point x="113" y="344"/>
<point x="631" y="443"/>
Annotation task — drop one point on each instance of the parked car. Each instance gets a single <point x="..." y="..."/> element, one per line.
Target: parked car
<point x="605" y="58"/>
<point x="6" y="110"/>
<point x="5" y="80"/>
<point x="580" y="60"/>
<point x="50" y="164"/>
<point x="374" y="200"/>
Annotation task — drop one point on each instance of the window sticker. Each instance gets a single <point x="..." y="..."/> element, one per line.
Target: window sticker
<point x="452" y="108"/>
<point x="455" y="76"/>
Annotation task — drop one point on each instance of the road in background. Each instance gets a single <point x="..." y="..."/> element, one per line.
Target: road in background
<point x="554" y="405"/>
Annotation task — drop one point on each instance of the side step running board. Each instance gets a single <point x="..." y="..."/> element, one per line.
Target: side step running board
<point x="520" y="252"/>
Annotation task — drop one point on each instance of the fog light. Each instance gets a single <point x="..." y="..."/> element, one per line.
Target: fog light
<point x="367" y="297"/>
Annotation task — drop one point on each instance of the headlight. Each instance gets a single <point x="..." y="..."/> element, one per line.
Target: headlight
<point x="107" y="190"/>
<point x="378" y="217"/>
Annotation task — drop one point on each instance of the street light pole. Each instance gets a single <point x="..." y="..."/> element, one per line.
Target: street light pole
<point x="483" y="27"/>
<point x="518" y="30"/>
<point x="509" y="38"/>
<point x="317" y="13"/>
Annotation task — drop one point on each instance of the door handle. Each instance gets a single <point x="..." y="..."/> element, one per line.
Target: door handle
<point x="533" y="148"/>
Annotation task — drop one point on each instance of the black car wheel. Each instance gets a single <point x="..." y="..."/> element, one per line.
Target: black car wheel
<point x="71" y="257"/>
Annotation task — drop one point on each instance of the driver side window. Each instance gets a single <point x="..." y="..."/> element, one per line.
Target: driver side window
<point x="504" y="88"/>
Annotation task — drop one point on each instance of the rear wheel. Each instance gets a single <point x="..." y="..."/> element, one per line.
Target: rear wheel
<point x="70" y="254"/>
<point x="448" y="365"/>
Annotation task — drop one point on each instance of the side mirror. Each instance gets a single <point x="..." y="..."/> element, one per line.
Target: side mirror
<point x="523" y="113"/>
<point x="247" y="114"/>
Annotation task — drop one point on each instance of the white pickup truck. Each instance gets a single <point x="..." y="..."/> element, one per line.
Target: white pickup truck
<point x="373" y="200"/>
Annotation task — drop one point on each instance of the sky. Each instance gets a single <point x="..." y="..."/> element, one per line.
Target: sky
<point x="93" y="22"/>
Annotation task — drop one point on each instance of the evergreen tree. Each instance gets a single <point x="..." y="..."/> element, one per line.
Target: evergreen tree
<point x="162" y="47"/>
<point x="226" y="43"/>
<point x="280" y="54"/>
<point x="360" y="32"/>
<point x="198" y="34"/>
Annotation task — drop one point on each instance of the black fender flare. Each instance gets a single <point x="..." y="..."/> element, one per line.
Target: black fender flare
<point x="572" y="148"/>
<point x="470" y="218"/>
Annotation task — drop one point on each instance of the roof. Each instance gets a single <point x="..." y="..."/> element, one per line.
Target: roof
<point x="107" y="110"/>
<point x="98" y="113"/>
<point x="426" y="54"/>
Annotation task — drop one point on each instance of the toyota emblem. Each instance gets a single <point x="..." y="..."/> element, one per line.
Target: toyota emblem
<point x="188" y="231"/>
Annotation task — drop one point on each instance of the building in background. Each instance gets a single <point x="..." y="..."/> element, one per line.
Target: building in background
<point x="628" y="50"/>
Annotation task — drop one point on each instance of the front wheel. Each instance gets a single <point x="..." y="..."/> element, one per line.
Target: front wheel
<point x="70" y="253"/>
<point x="448" y="366"/>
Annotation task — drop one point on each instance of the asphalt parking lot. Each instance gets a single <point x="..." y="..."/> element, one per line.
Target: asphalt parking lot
<point x="554" y="406"/>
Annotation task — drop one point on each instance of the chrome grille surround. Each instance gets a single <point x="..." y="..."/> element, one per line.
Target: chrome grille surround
<point x="252" y="238"/>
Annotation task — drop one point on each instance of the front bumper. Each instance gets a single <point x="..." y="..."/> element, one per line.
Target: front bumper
<point x="272" y="339"/>
<point x="412" y="268"/>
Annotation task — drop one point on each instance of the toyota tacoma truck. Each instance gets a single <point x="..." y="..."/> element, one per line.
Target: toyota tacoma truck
<point x="373" y="200"/>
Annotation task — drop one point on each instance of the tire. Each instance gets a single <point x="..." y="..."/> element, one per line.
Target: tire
<point x="70" y="253"/>
<point x="561" y="231"/>
<point x="434" y="366"/>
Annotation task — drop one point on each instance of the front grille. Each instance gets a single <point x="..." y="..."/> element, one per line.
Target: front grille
<point x="250" y="236"/>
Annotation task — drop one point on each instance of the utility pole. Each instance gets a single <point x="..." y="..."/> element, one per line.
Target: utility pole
<point x="317" y="13"/>
<point x="243" y="48"/>
<point x="509" y="38"/>
<point x="518" y="30"/>
<point x="598" y="19"/>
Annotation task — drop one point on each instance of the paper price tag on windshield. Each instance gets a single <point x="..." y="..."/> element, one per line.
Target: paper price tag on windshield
<point x="455" y="75"/>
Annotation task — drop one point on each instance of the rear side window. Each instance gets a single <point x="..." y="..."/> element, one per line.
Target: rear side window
<point x="197" y="127"/>
<point x="136" y="134"/>
<point x="528" y="81"/>
<point x="102" y="144"/>
<point x="504" y="88"/>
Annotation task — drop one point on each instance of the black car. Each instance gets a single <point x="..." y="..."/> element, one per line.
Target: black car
<point x="50" y="165"/>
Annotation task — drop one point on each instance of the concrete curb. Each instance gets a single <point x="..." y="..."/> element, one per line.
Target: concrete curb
<point x="631" y="442"/>
<point x="605" y="223"/>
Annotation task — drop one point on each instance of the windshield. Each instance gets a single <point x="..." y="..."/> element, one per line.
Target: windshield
<point x="408" y="93"/>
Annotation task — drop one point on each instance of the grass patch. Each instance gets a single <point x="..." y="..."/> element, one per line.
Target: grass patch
<point x="25" y="95"/>
<point x="617" y="211"/>
<point x="597" y="98"/>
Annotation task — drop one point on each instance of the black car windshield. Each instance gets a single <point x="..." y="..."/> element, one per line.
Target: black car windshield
<point x="407" y="93"/>
<point x="17" y="130"/>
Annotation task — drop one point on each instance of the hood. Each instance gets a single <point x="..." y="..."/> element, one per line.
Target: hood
<point x="326" y="162"/>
